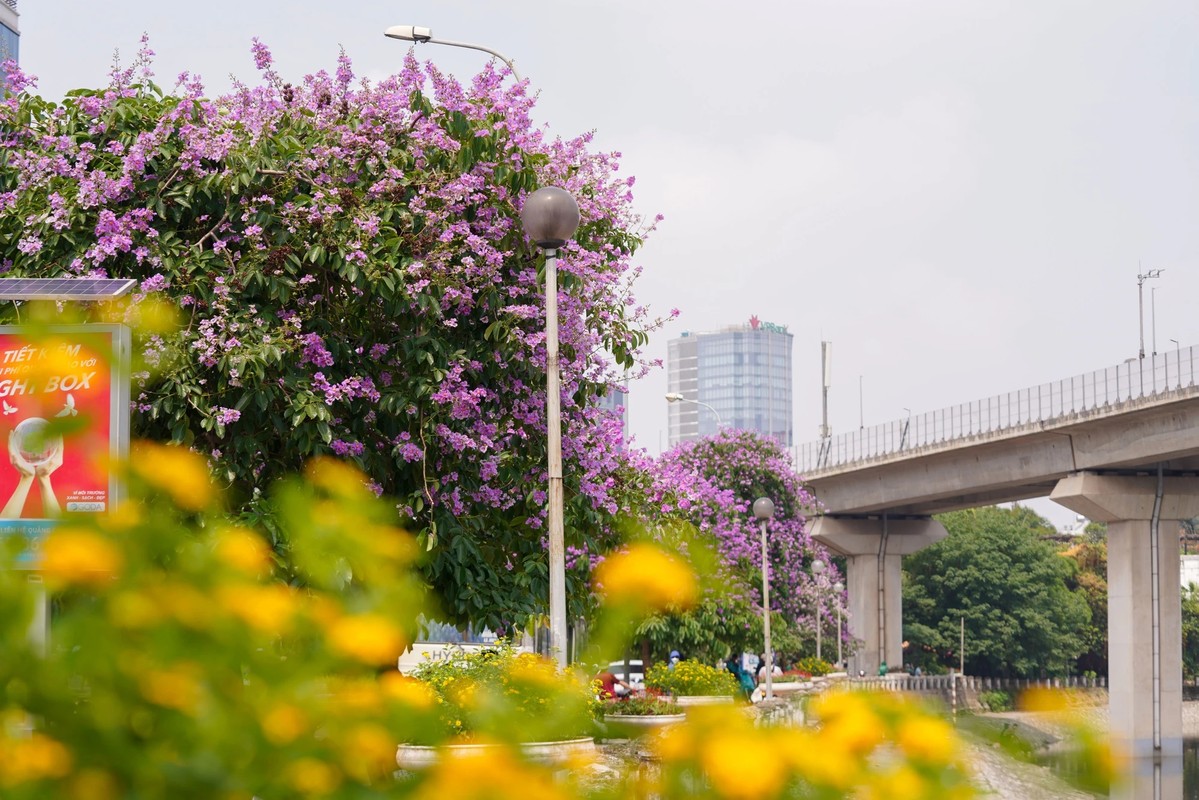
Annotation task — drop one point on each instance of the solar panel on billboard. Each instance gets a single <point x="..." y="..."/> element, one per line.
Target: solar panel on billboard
<point x="64" y="288"/>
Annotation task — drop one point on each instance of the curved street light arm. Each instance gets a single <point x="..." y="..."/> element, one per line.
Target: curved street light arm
<point x="481" y="48"/>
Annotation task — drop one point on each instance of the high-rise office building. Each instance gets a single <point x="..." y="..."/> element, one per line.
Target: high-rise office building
<point x="617" y="401"/>
<point x="738" y="377"/>
<point x="10" y="36"/>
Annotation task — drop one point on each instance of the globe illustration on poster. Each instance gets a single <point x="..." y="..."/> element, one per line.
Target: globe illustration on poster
<point x="35" y="443"/>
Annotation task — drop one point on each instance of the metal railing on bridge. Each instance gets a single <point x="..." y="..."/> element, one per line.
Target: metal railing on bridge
<point x="1135" y="379"/>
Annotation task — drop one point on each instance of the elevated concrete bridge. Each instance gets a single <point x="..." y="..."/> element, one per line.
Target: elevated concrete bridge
<point x="1119" y="445"/>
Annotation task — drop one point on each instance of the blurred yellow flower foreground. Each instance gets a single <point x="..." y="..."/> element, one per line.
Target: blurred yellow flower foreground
<point x="194" y="657"/>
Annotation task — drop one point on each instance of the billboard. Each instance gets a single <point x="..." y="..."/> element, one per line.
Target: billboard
<point x="64" y="420"/>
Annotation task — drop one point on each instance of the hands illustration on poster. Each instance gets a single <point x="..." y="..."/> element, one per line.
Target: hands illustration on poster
<point x="35" y="456"/>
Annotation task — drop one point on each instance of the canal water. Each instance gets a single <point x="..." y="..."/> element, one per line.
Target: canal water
<point x="1166" y="785"/>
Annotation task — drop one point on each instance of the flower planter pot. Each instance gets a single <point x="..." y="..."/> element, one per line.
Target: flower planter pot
<point x="634" y="726"/>
<point x="703" y="700"/>
<point x="414" y="757"/>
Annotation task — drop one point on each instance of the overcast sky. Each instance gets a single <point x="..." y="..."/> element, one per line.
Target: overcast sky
<point x="956" y="193"/>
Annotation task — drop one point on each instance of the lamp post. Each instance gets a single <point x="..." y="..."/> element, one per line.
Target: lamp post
<point x="675" y="397"/>
<point x="763" y="511"/>
<point x="839" y="587"/>
<point x="419" y="35"/>
<point x="818" y="570"/>
<point x="1141" y="278"/>
<point x="550" y="217"/>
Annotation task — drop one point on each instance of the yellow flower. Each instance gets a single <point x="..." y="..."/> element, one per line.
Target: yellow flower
<point x="850" y="724"/>
<point x="312" y="777"/>
<point x="185" y="603"/>
<point x="243" y="550"/>
<point x="354" y="698"/>
<point x="284" y="723"/>
<point x="337" y="477"/>
<point x="122" y="518"/>
<point x="408" y="691"/>
<point x="175" y="687"/>
<point x="176" y="470"/>
<point x="93" y="784"/>
<point x="739" y="767"/>
<point x="647" y="577"/>
<point x="33" y="759"/>
<point x="270" y="608"/>
<point x="368" y="750"/>
<point x="1045" y="700"/>
<point x="676" y="743"/>
<point x="72" y="556"/>
<point x="153" y="315"/>
<point x="370" y="638"/>
<point x="133" y="610"/>
<point x="488" y="774"/>
<point x="901" y="783"/>
<point x="927" y="739"/>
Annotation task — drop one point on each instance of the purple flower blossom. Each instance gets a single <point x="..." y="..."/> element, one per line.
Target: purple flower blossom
<point x="227" y="416"/>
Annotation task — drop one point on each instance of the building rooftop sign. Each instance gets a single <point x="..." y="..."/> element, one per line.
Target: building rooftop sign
<point x="757" y="325"/>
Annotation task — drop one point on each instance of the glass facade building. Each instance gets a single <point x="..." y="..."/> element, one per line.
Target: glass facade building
<point x="10" y="37"/>
<point x="738" y="377"/>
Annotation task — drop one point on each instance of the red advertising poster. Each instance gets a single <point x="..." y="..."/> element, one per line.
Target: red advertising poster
<point x="60" y="423"/>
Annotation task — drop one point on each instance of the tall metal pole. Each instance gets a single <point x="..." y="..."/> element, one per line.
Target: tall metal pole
<point x="1141" y="278"/>
<point x="818" y="568"/>
<point x="766" y="617"/>
<point x="551" y="217"/>
<point x="819" y="614"/>
<point x="962" y="649"/>
<point x="825" y="379"/>
<point x="838" y="587"/>
<point x="1141" y="312"/>
<point x="553" y="414"/>
<point x="1153" y="318"/>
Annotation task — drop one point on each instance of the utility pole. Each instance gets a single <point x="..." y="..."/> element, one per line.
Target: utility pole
<point x="1141" y="278"/>
<point x="826" y="368"/>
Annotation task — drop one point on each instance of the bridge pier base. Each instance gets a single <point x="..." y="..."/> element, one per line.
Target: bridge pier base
<point x="1144" y="639"/>
<point x="874" y="547"/>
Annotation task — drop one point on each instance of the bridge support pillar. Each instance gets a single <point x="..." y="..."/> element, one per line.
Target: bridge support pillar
<point x="1144" y="614"/>
<point x="874" y="548"/>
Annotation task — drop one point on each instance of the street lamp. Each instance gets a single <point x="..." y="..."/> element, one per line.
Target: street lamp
<point x="419" y="35"/>
<point x="550" y="217"/>
<point x="818" y="570"/>
<point x="763" y="511"/>
<point x="1153" y="273"/>
<point x="675" y="397"/>
<point x="838" y="587"/>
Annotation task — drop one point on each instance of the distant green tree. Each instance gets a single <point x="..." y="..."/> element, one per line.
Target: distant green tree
<point x="1010" y="585"/>
<point x="1095" y="532"/>
<point x="1190" y="632"/>
<point x="1090" y="583"/>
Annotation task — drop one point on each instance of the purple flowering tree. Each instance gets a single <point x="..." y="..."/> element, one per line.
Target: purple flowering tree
<point x="712" y="483"/>
<point x="353" y="279"/>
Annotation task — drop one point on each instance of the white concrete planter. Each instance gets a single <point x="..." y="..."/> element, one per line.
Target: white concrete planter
<point x="634" y="726"/>
<point x="787" y="688"/>
<point x="414" y="757"/>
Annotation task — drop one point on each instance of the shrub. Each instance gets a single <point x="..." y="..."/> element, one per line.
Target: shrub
<point x="641" y="706"/>
<point x="500" y="692"/>
<point x="691" y="678"/>
<point x="813" y="666"/>
<point x="997" y="700"/>
<point x="792" y="676"/>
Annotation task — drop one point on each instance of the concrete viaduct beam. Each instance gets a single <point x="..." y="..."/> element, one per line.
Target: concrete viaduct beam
<point x="874" y="548"/>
